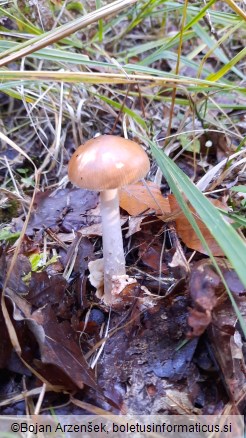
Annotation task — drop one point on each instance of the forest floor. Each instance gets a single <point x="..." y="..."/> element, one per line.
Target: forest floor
<point x="171" y="77"/>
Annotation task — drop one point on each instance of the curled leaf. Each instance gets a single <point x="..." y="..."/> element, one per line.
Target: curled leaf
<point x="187" y="233"/>
<point x="143" y="197"/>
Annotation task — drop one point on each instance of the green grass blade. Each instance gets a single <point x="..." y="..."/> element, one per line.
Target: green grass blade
<point x="176" y="37"/>
<point x="61" y="32"/>
<point x="210" y="42"/>
<point x="100" y="23"/>
<point x="124" y="109"/>
<point x="228" y="67"/>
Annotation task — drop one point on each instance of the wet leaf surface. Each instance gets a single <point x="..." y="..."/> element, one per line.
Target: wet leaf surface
<point x="64" y="210"/>
<point x="150" y="256"/>
<point x="21" y="268"/>
<point x="179" y="364"/>
<point x="228" y="347"/>
<point x="60" y="347"/>
<point x="5" y="344"/>
<point x="208" y="292"/>
<point x="45" y="290"/>
<point x="58" y="342"/>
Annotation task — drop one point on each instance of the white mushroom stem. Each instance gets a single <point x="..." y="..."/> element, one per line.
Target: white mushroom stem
<point x="113" y="252"/>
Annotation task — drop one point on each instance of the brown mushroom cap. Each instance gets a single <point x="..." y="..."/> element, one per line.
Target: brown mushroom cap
<point x="107" y="162"/>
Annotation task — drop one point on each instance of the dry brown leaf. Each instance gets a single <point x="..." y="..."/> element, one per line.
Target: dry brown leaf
<point x="187" y="233"/>
<point x="227" y="348"/>
<point x="208" y="295"/>
<point x="58" y="344"/>
<point x="150" y="256"/>
<point x="139" y="197"/>
<point x="134" y="225"/>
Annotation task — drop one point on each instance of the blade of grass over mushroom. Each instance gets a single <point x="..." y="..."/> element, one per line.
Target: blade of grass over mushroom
<point x="231" y="243"/>
<point x="61" y="32"/>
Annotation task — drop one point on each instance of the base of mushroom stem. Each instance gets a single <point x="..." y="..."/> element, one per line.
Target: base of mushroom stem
<point x="125" y="289"/>
<point x="119" y="282"/>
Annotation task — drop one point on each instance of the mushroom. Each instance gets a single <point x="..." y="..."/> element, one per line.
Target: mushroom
<point x="107" y="163"/>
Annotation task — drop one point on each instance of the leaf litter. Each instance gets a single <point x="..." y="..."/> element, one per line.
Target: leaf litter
<point x="59" y="326"/>
<point x="185" y="351"/>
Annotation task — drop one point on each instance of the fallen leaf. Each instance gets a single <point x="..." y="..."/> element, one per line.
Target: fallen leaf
<point x="150" y="256"/>
<point x="57" y="341"/>
<point x="45" y="290"/>
<point x="84" y="253"/>
<point x="208" y="293"/>
<point x="134" y="225"/>
<point x="227" y="346"/>
<point x="179" y="264"/>
<point x="141" y="197"/>
<point x="5" y="344"/>
<point x="205" y="286"/>
<point x="64" y="210"/>
<point x="87" y="231"/>
<point x="187" y="233"/>
<point x="234" y="283"/>
<point x="21" y="268"/>
<point x="198" y="321"/>
<point x="59" y="346"/>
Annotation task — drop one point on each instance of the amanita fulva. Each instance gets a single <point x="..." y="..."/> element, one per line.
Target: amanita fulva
<point x="107" y="163"/>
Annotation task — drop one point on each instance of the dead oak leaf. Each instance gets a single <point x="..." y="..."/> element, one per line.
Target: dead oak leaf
<point x="57" y="342"/>
<point x="63" y="210"/>
<point x="142" y="197"/>
<point x="150" y="256"/>
<point x="208" y="293"/>
<point x="59" y="347"/>
<point x="5" y="344"/>
<point x="188" y="234"/>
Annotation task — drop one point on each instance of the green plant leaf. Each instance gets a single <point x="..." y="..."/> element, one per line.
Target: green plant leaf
<point x="6" y="234"/>
<point x="239" y="189"/>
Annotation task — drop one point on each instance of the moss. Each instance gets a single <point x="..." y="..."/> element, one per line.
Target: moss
<point x="9" y="211"/>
